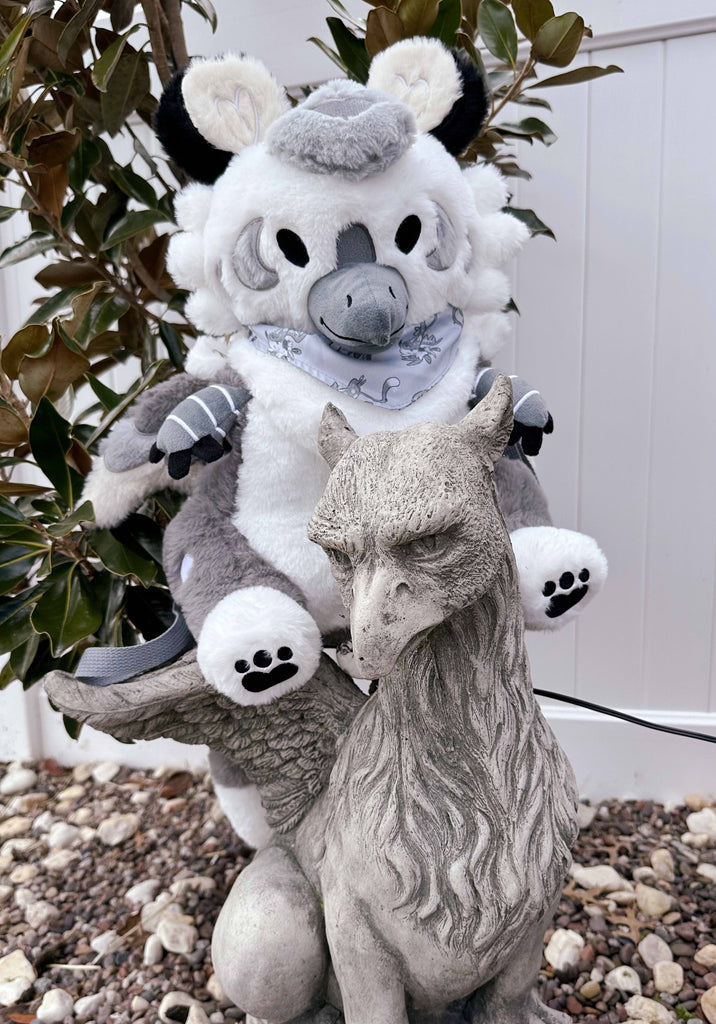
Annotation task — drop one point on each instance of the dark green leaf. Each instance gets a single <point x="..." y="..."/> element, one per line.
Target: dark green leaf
<point x="447" y="24"/>
<point x="16" y="562"/>
<point x="530" y="126"/>
<point x="15" y="625"/>
<point x="530" y="15"/>
<point x="206" y="9"/>
<point x="14" y="38"/>
<point x="331" y="54"/>
<point x="6" y="212"/>
<point x="142" y="535"/>
<point x="105" y="66"/>
<point x="132" y="224"/>
<point x="68" y="610"/>
<point x="84" y="513"/>
<point x="173" y="344"/>
<point x="497" y="30"/>
<point x="10" y="512"/>
<point x="84" y="17"/>
<point x="55" y="304"/>
<point x="351" y="49"/>
<point x="33" y="245"/>
<point x="7" y="676"/>
<point x="73" y="728"/>
<point x="22" y="657"/>
<point x="120" y="560"/>
<point x="418" y="16"/>
<point x="128" y="87"/>
<point x="109" y="399"/>
<point x="84" y="158"/>
<point x="586" y="74"/>
<point x="531" y="220"/>
<point x="50" y="441"/>
<point x="558" y="40"/>
<point x="134" y="185"/>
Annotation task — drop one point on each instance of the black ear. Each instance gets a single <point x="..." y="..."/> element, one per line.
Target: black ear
<point x="182" y="142"/>
<point x="468" y="113"/>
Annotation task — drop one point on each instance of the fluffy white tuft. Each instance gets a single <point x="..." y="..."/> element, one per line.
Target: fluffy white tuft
<point x="232" y="102"/>
<point x="192" y="205"/>
<point x="543" y="554"/>
<point x="489" y="188"/>
<point x="115" y="495"/>
<point x="422" y="74"/>
<point x="252" y="620"/>
<point x="504" y="236"/>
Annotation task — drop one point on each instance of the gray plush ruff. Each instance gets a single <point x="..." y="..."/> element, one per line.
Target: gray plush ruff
<point x="344" y="129"/>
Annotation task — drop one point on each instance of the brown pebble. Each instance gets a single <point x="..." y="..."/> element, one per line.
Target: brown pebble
<point x="574" y="1006"/>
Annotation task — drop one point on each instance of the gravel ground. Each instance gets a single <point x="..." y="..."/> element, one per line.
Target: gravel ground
<point x="111" y="879"/>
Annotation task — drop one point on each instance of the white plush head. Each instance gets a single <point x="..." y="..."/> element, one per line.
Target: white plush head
<point x="354" y="174"/>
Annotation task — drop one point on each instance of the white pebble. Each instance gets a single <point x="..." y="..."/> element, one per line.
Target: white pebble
<point x="71" y="793"/>
<point x="663" y="864"/>
<point x="59" y="860"/>
<point x="624" y="979"/>
<point x="104" y="772"/>
<point x="585" y="815"/>
<point x="217" y="1017"/>
<point x="601" y="877"/>
<point x="43" y="822"/>
<point x="13" y="827"/>
<point x="708" y="1004"/>
<point x="654" y="950"/>
<point x="141" y="797"/>
<point x="172" y="999"/>
<point x="153" y="951"/>
<point x="706" y="956"/>
<point x="142" y="892"/>
<point x="115" y="830"/>
<point x="11" y="992"/>
<point x="652" y="902"/>
<point x="707" y="871"/>
<point x="196" y="1015"/>
<point x="152" y="913"/>
<point x="24" y="897"/>
<point x="196" y="883"/>
<point x="702" y="822"/>
<point x="88" y="1006"/>
<point x="641" y="1008"/>
<point x="213" y="987"/>
<point x="81" y="816"/>
<point x="17" y="780"/>
<point x="107" y="942"/>
<point x="83" y="772"/>
<point x="695" y="802"/>
<point x="42" y="912"/>
<point x="698" y="840"/>
<point x="16" y="965"/>
<point x="24" y="803"/>
<point x="139" y="1005"/>
<point x="55" y="1006"/>
<point x="644" y="874"/>
<point x="623" y="899"/>
<point x="24" y="873"/>
<point x="668" y="977"/>
<point x="62" y="835"/>
<point x="177" y="934"/>
<point x="563" y="949"/>
<point x="5" y="893"/>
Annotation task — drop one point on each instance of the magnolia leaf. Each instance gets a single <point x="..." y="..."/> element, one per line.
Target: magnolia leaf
<point x="383" y="28"/>
<point x="120" y="560"/>
<point x="469" y="13"/>
<point x="352" y="50"/>
<point x="558" y="40"/>
<point x="120" y="13"/>
<point x="417" y="16"/>
<point x="447" y="23"/>
<point x="104" y="68"/>
<point x="53" y="149"/>
<point x="85" y="157"/>
<point x="16" y="562"/>
<point x="66" y="274"/>
<point x="586" y="74"/>
<point x="12" y="430"/>
<point x="13" y="489"/>
<point x="134" y="185"/>
<point x="32" y="339"/>
<point x="134" y="223"/>
<point x="15" y="624"/>
<point x="51" y="187"/>
<point x="83" y="514"/>
<point x="50" y="441"/>
<point x="206" y="10"/>
<point x="84" y="17"/>
<point x="68" y="610"/>
<point x="530" y="126"/>
<point x="14" y="38"/>
<point x="36" y="243"/>
<point x="497" y="30"/>
<point x="108" y="398"/>
<point x="530" y="15"/>
<point x="52" y="372"/>
<point x="531" y="220"/>
<point x="127" y="88"/>
<point x="55" y="304"/>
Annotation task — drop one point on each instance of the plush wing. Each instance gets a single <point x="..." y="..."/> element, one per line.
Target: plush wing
<point x="286" y="747"/>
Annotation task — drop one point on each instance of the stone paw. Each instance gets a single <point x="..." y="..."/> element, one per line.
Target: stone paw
<point x="560" y="572"/>
<point x="257" y="644"/>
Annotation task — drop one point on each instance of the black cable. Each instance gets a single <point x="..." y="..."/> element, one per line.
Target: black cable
<point x="627" y="718"/>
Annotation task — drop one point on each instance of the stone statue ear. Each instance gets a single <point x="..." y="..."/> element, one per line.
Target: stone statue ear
<point x="214" y="109"/>
<point x="442" y="87"/>
<point x="335" y="435"/>
<point x="489" y="424"/>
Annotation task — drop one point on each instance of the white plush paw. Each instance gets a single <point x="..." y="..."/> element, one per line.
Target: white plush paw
<point x="257" y="644"/>
<point x="560" y="572"/>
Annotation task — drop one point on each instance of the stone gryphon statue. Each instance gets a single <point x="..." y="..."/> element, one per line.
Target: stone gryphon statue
<point x="422" y="835"/>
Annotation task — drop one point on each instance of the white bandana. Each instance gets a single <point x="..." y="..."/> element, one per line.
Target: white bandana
<point x="393" y="378"/>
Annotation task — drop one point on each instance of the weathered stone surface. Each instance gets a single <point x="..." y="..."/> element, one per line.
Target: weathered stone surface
<point x="173" y="1000"/>
<point x="39" y="913"/>
<point x="652" y="949"/>
<point x="641" y="1008"/>
<point x="707" y="871"/>
<point x="563" y="949"/>
<point x="668" y="977"/>
<point x="585" y="815"/>
<point x="12" y="992"/>
<point x="16" y="965"/>
<point x="652" y="902"/>
<point x="152" y="913"/>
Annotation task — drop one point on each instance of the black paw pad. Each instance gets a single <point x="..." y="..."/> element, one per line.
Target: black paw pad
<point x="262" y="676"/>
<point x="569" y="593"/>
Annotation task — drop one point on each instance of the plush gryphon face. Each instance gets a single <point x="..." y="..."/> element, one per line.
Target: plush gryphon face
<point x="346" y="215"/>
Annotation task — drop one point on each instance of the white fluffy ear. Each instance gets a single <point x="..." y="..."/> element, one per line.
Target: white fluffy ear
<point x="422" y="74"/>
<point x="232" y="101"/>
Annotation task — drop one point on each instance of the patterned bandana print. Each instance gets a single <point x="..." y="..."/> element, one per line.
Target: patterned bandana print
<point x="393" y="378"/>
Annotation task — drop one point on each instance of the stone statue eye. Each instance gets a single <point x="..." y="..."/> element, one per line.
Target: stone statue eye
<point x="426" y="545"/>
<point x="408" y="233"/>
<point x="292" y="247"/>
<point x="340" y="561"/>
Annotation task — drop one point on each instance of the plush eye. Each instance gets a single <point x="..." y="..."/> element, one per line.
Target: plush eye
<point x="292" y="247"/>
<point x="408" y="233"/>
